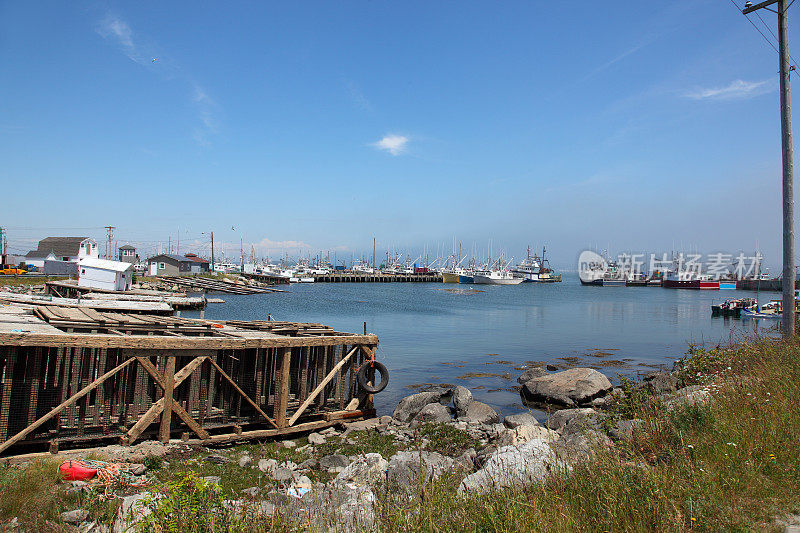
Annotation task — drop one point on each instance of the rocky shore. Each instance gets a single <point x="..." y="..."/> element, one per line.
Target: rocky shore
<point x="336" y="476"/>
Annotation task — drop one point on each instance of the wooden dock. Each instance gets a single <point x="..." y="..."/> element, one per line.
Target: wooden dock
<point x="75" y="377"/>
<point x="355" y="277"/>
<point x="105" y="305"/>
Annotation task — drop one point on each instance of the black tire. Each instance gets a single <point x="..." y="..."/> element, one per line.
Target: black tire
<point x="361" y="376"/>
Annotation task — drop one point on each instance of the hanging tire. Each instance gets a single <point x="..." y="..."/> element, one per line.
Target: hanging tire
<point x="363" y="382"/>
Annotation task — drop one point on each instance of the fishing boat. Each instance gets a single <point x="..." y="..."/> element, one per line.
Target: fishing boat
<point x="466" y="277"/>
<point x="535" y="269"/>
<point x="765" y="312"/>
<point x="496" y="277"/>
<point x="449" y="276"/>
<point x="680" y="278"/>
<point x="733" y="307"/>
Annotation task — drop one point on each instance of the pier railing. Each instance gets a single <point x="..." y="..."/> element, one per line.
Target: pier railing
<point x="72" y="388"/>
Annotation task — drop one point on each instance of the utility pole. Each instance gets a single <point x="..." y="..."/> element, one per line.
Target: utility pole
<point x="788" y="170"/>
<point x="373" y="255"/>
<point x="241" y="249"/>
<point x="212" y="253"/>
<point x="109" y="234"/>
<point x="2" y="247"/>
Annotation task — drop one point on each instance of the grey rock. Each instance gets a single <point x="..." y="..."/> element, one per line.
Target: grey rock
<point x="462" y="397"/>
<point x="282" y="474"/>
<point x="466" y="461"/>
<point x="521" y="419"/>
<point x="551" y="368"/>
<point x="569" y="387"/>
<point x="242" y="509"/>
<point x="137" y="469"/>
<point x="131" y="511"/>
<point x="74" y="517"/>
<point x="410" y="406"/>
<point x="660" y="382"/>
<point x="513" y="465"/>
<point x="574" y="419"/>
<point x="316" y="439"/>
<point x="353" y="507"/>
<point x="310" y="463"/>
<point x="289" y="444"/>
<point x="624" y="429"/>
<point x="217" y="459"/>
<point x="522" y="434"/>
<point x="368" y="469"/>
<point x="480" y="413"/>
<point x="251" y="491"/>
<point x="267" y="465"/>
<point x="214" y="480"/>
<point x="245" y="461"/>
<point x="693" y="395"/>
<point x="433" y="412"/>
<point x="574" y="448"/>
<point x="408" y="469"/>
<point x="334" y="461"/>
<point x="530" y="373"/>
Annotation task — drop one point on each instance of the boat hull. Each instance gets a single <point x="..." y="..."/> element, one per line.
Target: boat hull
<point x="613" y="283"/>
<point x="449" y="277"/>
<point x="727" y="285"/>
<point x="598" y="281"/>
<point x="695" y="284"/>
<point x="465" y="280"/>
<point x="486" y="280"/>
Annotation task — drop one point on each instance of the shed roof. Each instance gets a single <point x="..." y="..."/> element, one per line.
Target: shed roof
<point x="174" y="257"/>
<point x="127" y="247"/>
<point x="105" y="264"/>
<point x="61" y="245"/>
<point x="37" y="254"/>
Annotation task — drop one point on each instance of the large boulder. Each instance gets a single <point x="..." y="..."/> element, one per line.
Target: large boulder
<point x="521" y="419"/>
<point x="575" y="420"/>
<point x="625" y="429"/>
<point x="336" y="460"/>
<point x="368" y="469"/>
<point x="407" y="469"/>
<point x="480" y="413"/>
<point x="660" y="382"/>
<point x="462" y="397"/>
<point x="569" y="387"/>
<point x="410" y="406"/>
<point x="433" y="412"/>
<point x="513" y="465"/>
<point x="522" y="434"/>
<point x="574" y="448"/>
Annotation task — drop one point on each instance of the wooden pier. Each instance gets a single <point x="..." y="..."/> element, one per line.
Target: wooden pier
<point x="355" y="277"/>
<point x="72" y="378"/>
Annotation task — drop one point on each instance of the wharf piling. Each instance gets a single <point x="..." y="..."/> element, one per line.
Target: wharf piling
<point x="356" y="277"/>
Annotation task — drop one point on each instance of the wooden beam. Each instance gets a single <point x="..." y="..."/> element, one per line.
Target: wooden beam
<point x="74" y="398"/>
<point x="146" y="419"/>
<point x="282" y="386"/>
<point x="240" y="391"/>
<point x="321" y="386"/>
<point x="169" y="386"/>
<point x="157" y="342"/>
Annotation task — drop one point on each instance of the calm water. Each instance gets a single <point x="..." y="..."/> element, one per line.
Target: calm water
<point x="429" y="334"/>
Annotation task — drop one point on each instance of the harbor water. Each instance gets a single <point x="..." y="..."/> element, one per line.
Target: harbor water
<point x="482" y="336"/>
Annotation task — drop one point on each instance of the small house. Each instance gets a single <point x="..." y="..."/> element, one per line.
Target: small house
<point x="169" y="265"/>
<point x="127" y="253"/>
<point x="105" y="274"/>
<point x="71" y="249"/>
<point x="199" y="264"/>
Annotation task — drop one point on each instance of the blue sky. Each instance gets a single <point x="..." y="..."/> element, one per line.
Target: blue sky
<point x="308" y="126"/>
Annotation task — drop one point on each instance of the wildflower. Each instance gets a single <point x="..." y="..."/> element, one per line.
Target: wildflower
<point x="732" y="444"/>
<point x="690" y="446"/>
<point x="694" y="519"/>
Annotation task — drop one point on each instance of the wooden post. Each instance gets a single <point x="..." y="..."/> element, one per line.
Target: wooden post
<point x="169" y="386"/>
<point x="282" y="390"/>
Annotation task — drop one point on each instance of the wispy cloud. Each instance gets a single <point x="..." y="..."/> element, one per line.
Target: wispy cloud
<point x="115" y="29"/>
<point x="737" y="89"/>
<point x="357" y="96"/>
<point x="394" y="144"/>
<point x="205" y="108"/>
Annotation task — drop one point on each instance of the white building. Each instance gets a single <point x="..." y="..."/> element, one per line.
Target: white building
<point x="68" y="249"/>
<point x="105" y="274"/>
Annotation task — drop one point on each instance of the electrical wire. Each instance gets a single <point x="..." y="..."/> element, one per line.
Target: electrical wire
<point x="794" y="63"/>
<point x="769" y="42"/>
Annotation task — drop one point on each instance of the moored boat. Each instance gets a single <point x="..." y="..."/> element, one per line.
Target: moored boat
<point x="496" y="277"/>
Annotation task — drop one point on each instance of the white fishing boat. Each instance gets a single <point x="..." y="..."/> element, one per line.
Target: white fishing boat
<point x="496" y="277"/>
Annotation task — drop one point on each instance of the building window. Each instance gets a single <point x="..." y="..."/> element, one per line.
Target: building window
<point x="83" y="271"/>
<point x="162" y="266"/>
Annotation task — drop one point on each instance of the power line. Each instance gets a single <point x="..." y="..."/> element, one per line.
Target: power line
<point x="769" y="42"/>
<point x="794" y="63"/>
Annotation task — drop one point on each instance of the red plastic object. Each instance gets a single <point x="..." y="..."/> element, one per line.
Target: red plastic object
<point x="75" y="471"/>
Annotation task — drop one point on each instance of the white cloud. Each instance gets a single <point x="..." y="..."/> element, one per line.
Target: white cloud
<point x="205" y="108"/>
<point x="394" y="144"/>
<point x="737" y="89"/>
<point x="117" y="29"/>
